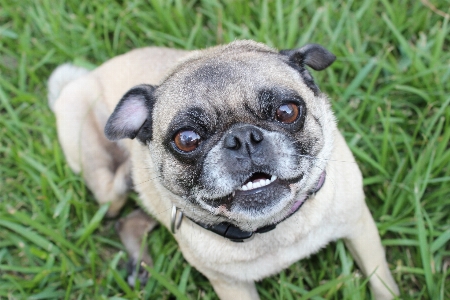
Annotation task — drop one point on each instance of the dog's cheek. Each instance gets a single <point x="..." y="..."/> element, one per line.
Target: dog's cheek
<point x="314" y="133"/>
<point x="172" y="174"/>
<point x="176" y="176"/>
<point x="215" y="178"/>
<point x="188" y="179"/>
<point x="285" y="159"/>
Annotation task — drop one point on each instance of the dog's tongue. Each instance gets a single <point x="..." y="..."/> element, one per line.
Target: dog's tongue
<point x="297" y="204"/>
<point x="302" y="198"/>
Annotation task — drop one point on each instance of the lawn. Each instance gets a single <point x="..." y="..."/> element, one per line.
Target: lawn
<point x="390" y="89"/>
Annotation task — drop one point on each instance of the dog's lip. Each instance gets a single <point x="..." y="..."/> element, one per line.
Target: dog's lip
<point x="226" y="202"/>
<point x="273" y="181"/>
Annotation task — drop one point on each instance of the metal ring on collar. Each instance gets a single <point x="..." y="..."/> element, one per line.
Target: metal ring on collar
<point x="175" y="219"/>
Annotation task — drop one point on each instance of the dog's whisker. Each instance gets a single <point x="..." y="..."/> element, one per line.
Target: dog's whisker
<point x="146" y="181"/>
<point x="325" y="159"/>
<point x="318" y="158"/>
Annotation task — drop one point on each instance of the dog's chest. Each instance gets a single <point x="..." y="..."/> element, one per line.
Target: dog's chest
<point x="266" y="254"/>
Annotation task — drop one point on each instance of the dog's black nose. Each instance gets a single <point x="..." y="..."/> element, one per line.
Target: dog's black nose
<point x="244" y="138"/>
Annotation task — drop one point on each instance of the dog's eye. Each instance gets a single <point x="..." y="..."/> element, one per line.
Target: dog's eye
<point x="187" y="140"/>
<point x="287" y="113"/>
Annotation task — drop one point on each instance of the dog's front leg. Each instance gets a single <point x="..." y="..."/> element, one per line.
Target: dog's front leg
<point x="365" y="246"/>
<point x="233" y="290"/>
<point x="132" y="230"/>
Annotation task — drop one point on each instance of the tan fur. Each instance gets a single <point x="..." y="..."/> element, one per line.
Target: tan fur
<point x="82" y="109"/>
<point x="337" y="211"/>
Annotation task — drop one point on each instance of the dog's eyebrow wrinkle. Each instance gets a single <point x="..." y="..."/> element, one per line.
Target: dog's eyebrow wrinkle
<point x="266" y="99"/>
<point x="216" y="73"/>
<point x="199" y="116"/>
<point x="272" y="96"/>
<point x="220" y="53"/>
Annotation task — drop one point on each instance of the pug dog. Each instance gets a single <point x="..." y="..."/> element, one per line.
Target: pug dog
<point x="234" y="148"/>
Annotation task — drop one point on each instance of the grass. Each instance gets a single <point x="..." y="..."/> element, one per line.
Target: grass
<point x="390" y="88"/>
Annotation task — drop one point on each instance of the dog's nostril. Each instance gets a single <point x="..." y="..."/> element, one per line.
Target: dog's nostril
<point x="256" y="136"/>
<point x="247" y="136"/>
<point x="232" y="142"/>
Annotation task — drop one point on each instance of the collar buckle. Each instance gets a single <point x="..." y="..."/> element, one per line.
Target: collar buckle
<point x="175" y="219"/>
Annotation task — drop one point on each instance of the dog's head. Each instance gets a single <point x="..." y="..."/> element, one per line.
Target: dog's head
<point x="239" y="133"/>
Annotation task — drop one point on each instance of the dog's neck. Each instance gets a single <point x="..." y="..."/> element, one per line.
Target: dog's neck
<point x="233" y="233"/>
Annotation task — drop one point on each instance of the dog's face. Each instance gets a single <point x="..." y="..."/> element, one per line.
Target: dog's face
<point x="240" y="133"/>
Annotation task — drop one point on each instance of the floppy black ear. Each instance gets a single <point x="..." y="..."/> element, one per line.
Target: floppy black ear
<point x="312" y="55"/>
<point x="132" y="116"/>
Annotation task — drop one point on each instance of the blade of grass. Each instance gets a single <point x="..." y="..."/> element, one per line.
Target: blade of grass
<point x="93" y="224"/>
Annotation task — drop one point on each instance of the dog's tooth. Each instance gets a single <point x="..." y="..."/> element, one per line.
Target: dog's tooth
<point x="233" y="193"/>
<point x="250" y="185"/>
<point x="272" y="179"/>
<point x="256" y="185"/>
<point x="244" y="188"/>
<point x="267" y="181"/>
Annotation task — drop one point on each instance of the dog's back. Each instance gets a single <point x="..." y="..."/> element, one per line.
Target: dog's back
<point x="82" y="101"/>
<point x="61" y="76"/>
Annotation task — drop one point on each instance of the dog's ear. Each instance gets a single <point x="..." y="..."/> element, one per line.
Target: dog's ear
<point x="312" y="55"/>
<point x="132" y="116"/>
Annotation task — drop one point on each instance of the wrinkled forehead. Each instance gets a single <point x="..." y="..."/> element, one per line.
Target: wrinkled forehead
<point x="222" y="83"/>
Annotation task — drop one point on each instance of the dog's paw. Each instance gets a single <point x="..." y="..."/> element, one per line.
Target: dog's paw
<point x="136" y="273"/>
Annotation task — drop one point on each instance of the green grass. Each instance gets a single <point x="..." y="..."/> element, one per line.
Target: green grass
<point x="390" y="88"/>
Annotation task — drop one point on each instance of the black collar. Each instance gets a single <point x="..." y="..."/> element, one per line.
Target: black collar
<point x="233" y="233"/>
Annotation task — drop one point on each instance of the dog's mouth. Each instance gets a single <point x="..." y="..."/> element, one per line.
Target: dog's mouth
<point x="259" y="191"/>
<point x="256" y="181"/>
